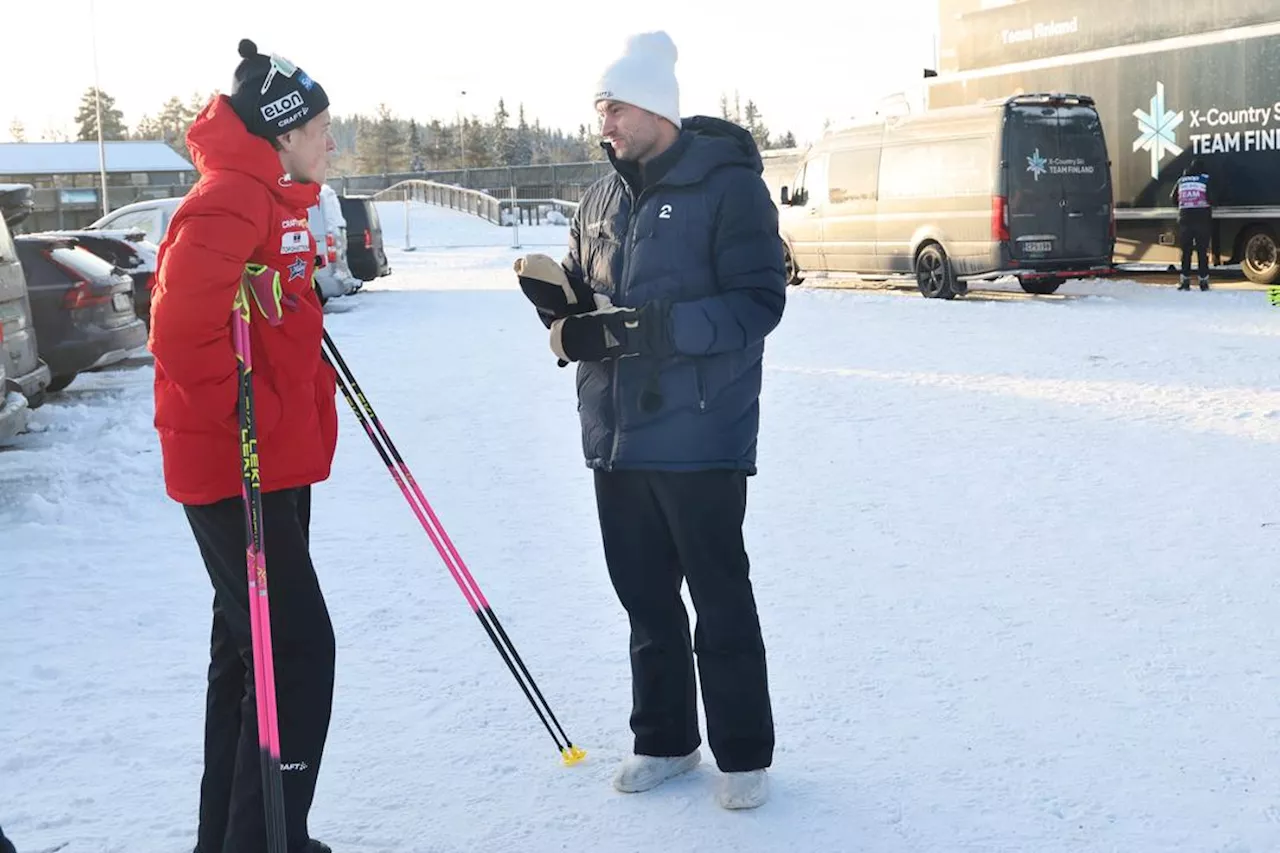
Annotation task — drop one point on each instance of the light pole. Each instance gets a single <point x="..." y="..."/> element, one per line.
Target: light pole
<point x="97" y="98"/>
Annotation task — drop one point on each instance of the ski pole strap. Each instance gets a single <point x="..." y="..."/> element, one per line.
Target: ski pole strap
<point x="268" y="293"/>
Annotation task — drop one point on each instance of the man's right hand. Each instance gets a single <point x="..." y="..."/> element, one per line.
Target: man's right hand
<point x="553" y="293"/>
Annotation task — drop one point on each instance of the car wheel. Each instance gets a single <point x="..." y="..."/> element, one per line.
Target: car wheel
<point x="789" y="266"/>
<point x="934" y="274"/>
<point x="58" y="383"/>
<point x="1260" y="256"/>
<point x="1040" y="286"/>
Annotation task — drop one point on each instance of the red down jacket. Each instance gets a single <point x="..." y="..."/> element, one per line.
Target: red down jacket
<point x="244" y="209"/>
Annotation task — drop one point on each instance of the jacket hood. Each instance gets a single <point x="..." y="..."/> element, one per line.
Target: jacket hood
<point x="715" y="143"/>
<point x="220" y="142"/>
<point x="710" y="143"/>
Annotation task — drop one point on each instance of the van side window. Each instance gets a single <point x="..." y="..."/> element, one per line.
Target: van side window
<point x="854" y="174"/>
<point x="815" y="181"/>
<point x="955" y="167"/>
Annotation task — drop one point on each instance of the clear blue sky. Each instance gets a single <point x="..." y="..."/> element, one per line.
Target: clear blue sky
<point x="802" y="63"/>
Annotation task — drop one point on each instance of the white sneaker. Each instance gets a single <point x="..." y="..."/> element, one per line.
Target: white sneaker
<point x="746" y="790"/>
<point x="642" y="772"/>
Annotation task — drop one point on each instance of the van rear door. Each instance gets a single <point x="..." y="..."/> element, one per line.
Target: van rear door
<point x="1058" y="183"/>
<point x="1036" y="215"/>
<point x="1086" y="184"/>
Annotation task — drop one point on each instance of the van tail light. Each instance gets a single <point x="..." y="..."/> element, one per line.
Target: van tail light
<point x="81" y="295"/>
<point x="368" y="239"/>
<point x="999" y="219"/>
<point x="331" y="248"/>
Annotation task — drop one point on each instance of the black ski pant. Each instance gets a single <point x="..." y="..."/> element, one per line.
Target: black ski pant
<point x="660" y="528"/>
<point x="1194" y="234"/>
<point x="231" y="800"/>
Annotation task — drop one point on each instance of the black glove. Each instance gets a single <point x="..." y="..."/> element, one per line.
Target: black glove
<point x="613" y="333"/>
<point x="551" y="290"/>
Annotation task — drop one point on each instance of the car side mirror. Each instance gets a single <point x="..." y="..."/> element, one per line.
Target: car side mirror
<point x="784" y="196"/>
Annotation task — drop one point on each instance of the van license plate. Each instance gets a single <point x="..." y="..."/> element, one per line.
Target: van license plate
<point x="121" y="302"/>
<point x="1038" y="247"/>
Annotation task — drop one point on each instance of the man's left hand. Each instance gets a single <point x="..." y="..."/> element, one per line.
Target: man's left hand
<point x="613" y="333"/>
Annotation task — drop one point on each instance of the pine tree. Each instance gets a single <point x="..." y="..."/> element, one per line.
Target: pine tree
<point x="501" y="142"/>
<point x="755" y="125"/>
<point x="417" y="150"/>
<point x="87" y="118"/>
<point x="437" y="145"/>
<point x="148" y="128"/>
<point x="381" y="146"/>
<point x="787" y="140"/>
<point x="17" y="130"/>
<point x="478" y="149"/>
<point x="522" y="149"/>
<point x="175" y="120"/>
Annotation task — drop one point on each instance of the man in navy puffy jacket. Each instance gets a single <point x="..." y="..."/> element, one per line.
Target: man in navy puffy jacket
<point x="673" y="279"/>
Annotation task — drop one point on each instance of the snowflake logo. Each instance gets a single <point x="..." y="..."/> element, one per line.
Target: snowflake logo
<point x="1037" y="165"/>
<point x="1157" y="131"/>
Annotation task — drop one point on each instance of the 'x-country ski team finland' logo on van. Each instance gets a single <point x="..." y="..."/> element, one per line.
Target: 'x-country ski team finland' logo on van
<point x="1157" y="130"/>
<point x="1036" y="164"/>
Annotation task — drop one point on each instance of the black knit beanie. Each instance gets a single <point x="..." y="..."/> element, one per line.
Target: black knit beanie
<point x="273" y="96"/>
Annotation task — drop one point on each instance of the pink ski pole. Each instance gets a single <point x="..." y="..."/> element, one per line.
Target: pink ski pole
<point x="264" y="673"/>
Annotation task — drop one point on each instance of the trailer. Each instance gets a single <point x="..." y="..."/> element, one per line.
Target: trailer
<point x="1170" y="84"/>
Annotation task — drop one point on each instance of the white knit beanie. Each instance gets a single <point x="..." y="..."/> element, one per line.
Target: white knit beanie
<point x="644" y="76"/>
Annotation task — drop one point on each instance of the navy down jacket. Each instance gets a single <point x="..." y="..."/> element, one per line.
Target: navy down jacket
<point x="703" y="237"/>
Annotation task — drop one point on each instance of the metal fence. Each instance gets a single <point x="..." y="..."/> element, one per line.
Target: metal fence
<point x="539" y="185"/>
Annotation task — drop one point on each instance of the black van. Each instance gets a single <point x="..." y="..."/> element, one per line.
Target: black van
<point x="366" y="256"/>
<point x="1019" y="186"/>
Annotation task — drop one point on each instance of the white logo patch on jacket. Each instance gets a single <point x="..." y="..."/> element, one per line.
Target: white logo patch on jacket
<point x="295" y="242"/>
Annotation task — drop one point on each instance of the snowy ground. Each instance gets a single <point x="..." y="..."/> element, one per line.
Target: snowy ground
<point x="1016" y="562"/>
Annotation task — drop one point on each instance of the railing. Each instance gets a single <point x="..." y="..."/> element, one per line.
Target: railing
<point x="512" y="211"/>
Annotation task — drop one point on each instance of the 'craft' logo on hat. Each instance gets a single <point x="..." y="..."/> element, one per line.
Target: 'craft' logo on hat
<point x="280" y="106"/>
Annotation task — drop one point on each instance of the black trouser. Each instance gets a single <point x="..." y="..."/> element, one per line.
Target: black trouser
<point x="659" y="528"/>
<point x="1195" y="233"/>
<point x="231" y="802"/>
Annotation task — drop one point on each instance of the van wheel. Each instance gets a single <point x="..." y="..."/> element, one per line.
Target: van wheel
<point x="58" y="383"/>
<point x="1040" y="286"/>
<point x="789" y="265"/>
<point x="1260" y="256"/>
<point x="934" y="275"/>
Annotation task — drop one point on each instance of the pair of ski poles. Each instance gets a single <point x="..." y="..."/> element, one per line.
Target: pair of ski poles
<point x="259" y="608"/>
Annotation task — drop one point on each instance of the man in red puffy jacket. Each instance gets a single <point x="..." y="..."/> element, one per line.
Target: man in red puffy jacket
<point x="262" y="154"/>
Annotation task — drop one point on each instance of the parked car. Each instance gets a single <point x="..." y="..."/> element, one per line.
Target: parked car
<point x="1020" y="186"/>
<point x="13" y="408"/>
<point x="19" y="349"/>
<point x="151" y="217"/>
<point x="329" y="228"/>
<point x="83" y="307"/>
<point x="130" y="251"/>
<point x="365" y="254"/>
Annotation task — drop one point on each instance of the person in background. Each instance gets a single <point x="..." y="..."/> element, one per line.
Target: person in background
<point x="1194" y="197"/>
<point x="673" y="279"/>
<point x="262" y="153"/>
